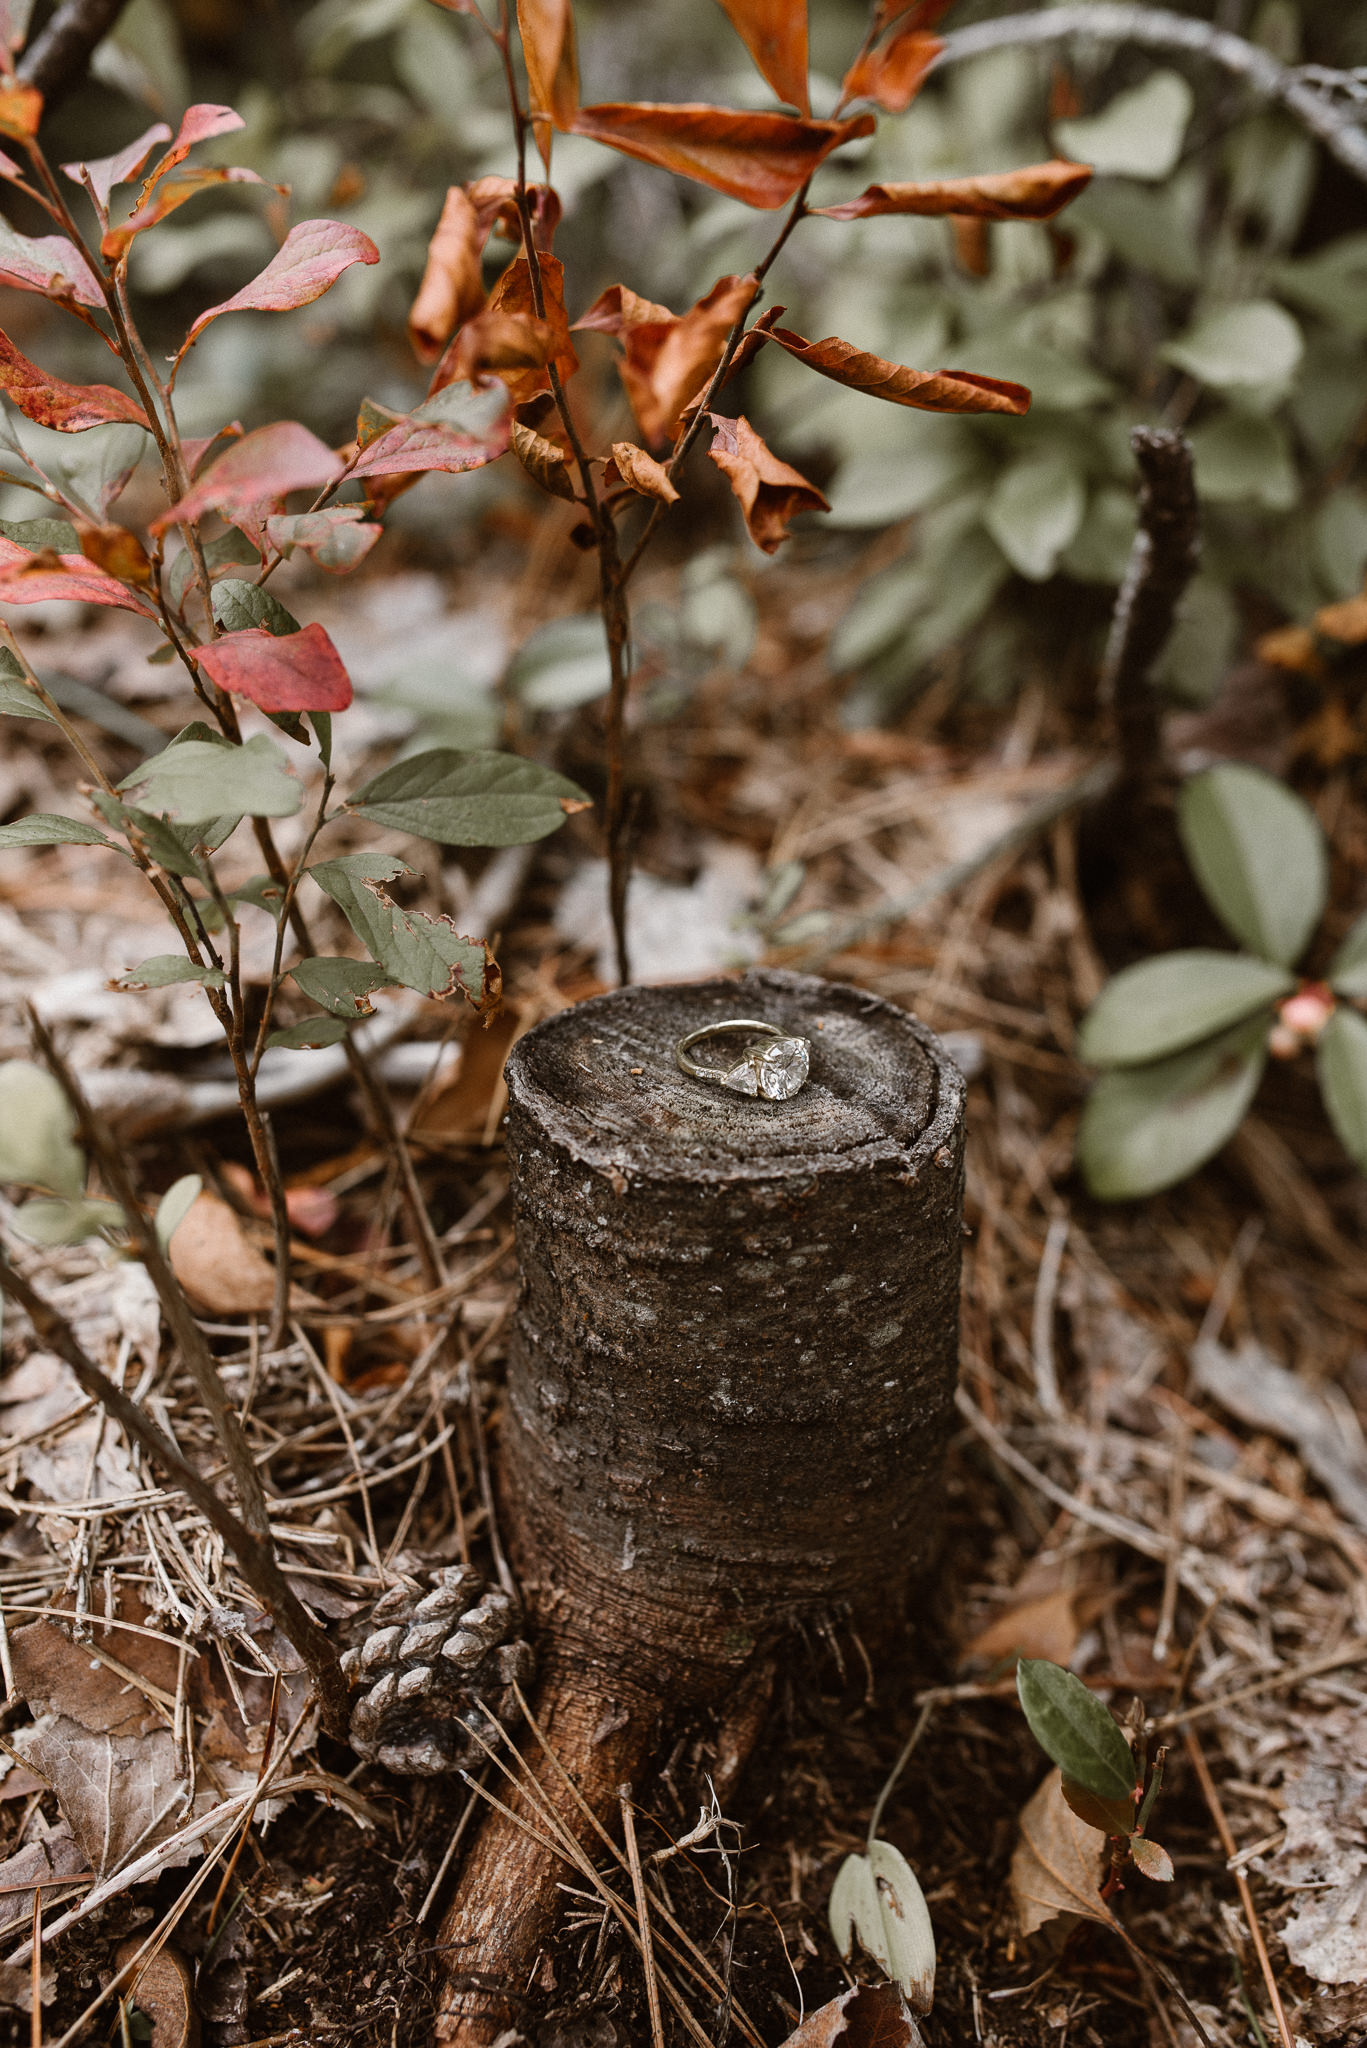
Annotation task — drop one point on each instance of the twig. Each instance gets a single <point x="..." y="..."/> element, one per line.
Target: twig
<point x="1192" y="1743"/>
<point x="1042" y="1320"/>
<point x="1301" y="92"/>
<point x="56" y="58"/>
<point x="638" y="1886"/>
<point x="1162" y="562"/>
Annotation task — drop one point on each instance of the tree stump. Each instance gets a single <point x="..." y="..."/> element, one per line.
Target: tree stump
<point x="730" y="1386"/>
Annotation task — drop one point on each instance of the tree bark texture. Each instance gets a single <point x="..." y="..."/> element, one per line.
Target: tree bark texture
<point x="730" y="1384"/>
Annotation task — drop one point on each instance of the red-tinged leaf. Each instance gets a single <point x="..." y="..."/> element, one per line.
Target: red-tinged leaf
<point x="51" y="402"/>
<point x="501" y="342"/>
<point x="336" y="539"/>
<point x="666" y="361"/>
<point x="195" y="447"/>
<point x="763" y="159"/>
<point x="10" y="169"/>
<point x="1036" y="192"/>
<point x="548" y="51"/>
<point x="915" y="14"/>
<point x="495" y="204"/>
<point x="775" y="34"/>
<point x="118" y="552"/>
<point x="416" y="445"/>
<point x="1152" y="1858"/>
<point x="49" y="264"/>
<point x="639" y="472"/>
<point x="892" y="73"/>
<point x="512" y="298"/>
<point x="200" y="124"/>
<point x="21" y="109"/>
<point x="768" y="491"/>
<point x="309" y="262"/>
<point x="171" y="194"/>
<point x="39" y="579"/>
<point x="260" y="468"/>
<point x="929" y="390"/>
<point x="279" y="671"/>
<point x="103" y="173"/>
<point x="452" y="288"/>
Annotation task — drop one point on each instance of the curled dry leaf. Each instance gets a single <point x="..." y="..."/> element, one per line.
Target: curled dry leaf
<point x="868" y="2016"/>
<point x="548" y="49"/>
<point x="544" y="461"/>
<point x="495" y="204"/>
<point x="928" y="390"/>
<point x="775" y="34"/>
<point x="499" y="342"/>
<point x="668" y="358"/>
<point x="545" y="339"/>
<point x="1035" y="192"/>
<point x="631" y="466"/>
<point x="278" y="671"/>
<point x="51" y="402"/>
<point x="1058" y="1862"/>
<point x="892" y="73"/>
<point x="218" y="1265"/>
<point x="308" y="262"/>
<point x="763" y="159"/>
<point x="768" y="491"/>
<point x="258" y="469"/>
<point x="452" y="287"/>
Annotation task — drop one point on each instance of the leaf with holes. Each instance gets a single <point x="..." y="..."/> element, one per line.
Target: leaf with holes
<point x="477" y="798"/>
<point x="1074" y="1729"/>
<point x="299" y="671"/>
<point x="196" y="781"/>
<point x="762" y="159"/>
<point x="423" y="953"/>
<point x="308" y="263"/>
<point x="775" y="34"/>
<point x="1259" y="855"/>
<point x="1036" y="192"/>
<point x="51" y="402"/>
<point x="1161" y="1006"/>
<point x="877" y="1901"/>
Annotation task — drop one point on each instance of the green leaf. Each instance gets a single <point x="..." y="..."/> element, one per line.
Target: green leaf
<point x="1153" y="231"/>
<point x="171" y="849"/>
<point x="47" y="1222"/>
<point x="1341" y="1063"/>
<point x="469" y="799"/>
<point x="195" y="782"/>
<point x="37" y="1131"/>
<point x="424" y="953"/>
<point x="1152" y="1859"/>
<point x="1194" y="663"/>
<point x="1258" y="853"/>
<point x="1138" y="134"/>
<point x="1075" y="1730"/>
<point x="1242" y="458"/>
<point x="239" y="605"/>
<point x="37" y="534"/>
<point x="44" y="828"/>
<point x="321" y="721"/>
<point x="263" y="892"/>
<point x="1146" y="1127"/>
<point x="1255" y="343"/>
<point x="1034" y="513"/>
<point x="877" y="1900"/>
<point x="230" y="547"/>
<point x="310" y="1035"/>
<point x="1348" y="968"/>
<point x="1332" y="282"/>
<point x="341" y="986"/>
<point x="175" y="1205"/>
<point x="1111" y="1816"/>
<point x="165" y="970"/>
<point x="1341" y="543"/>
<point x="561" y="665"/>
<point x="16" y="698"/>
<point x="1159" y="1006"/>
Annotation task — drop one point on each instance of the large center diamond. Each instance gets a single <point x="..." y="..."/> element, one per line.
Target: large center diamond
<point x="776" y="1070"/>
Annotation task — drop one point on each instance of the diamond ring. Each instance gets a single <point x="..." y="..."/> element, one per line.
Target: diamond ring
<point x="776" y="1069"/>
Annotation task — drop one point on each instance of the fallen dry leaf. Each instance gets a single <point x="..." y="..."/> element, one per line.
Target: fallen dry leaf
<point x="218" y="1265"/>
<point x="1250" y="1384"/>
<point x="57" y="1854"/>
<point x="54" y="1674"/>
<point x="768" y="491"/>
<point x="1045" y="1627"/>
<point x="1058" y="1863"/>
<point x="120" y="1793"/>
<point x="162" y="1987"/>
<point x="1324" y="1853"/>
<point x="869" y="2016"/>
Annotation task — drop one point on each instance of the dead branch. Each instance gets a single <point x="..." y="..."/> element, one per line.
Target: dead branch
<point x="1162" y="562"/>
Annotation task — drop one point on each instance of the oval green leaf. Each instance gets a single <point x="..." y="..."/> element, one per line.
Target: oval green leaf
<point x="563" y="664"/>
<point x="239" y="605"/>
<point x="175" y="1205"/>
<point x="1146" y="1127"/>
<point x="342" y="987"/>
<point x="1160" y="1006"/>
<point x="1034" y="513"/>
<point x="196" y="780"/>
<point x="45" y="828"/>
<point x="1348" y="969"/>
<point x="1258" y="853"/>
<point x="878" y="1900"/>
<point x="1341" y="1062"/>
<point x="1250" y="344"/>
<point x="309" y="1035"/>
<point x="1138" y="134"/>
<point x="469" y="799"/>
<point x="166" y="970"/>
<point x="1075" y="1730"/>
<point x="37" y="1131"/>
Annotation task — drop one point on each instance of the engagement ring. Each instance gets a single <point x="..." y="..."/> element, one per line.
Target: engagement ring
<point x="776" y="1069"/>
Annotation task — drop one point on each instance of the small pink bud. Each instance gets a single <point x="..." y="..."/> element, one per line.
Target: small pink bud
<point x="1282" y="1043"/>
<point x="1308" y="1011"/>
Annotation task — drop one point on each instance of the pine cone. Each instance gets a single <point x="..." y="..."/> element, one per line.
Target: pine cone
<point x="438" y="1670"/>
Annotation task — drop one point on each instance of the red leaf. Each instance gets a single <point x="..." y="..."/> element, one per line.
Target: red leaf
<point x="70" y="408"/>
<point x="279" y="671"/>
<point x="763" y="159"/>
<point x="170" y="194"/>
<point x="336" y="539"/>
<point x="768" y="491"/>
<point x="413" y="445"/>
<point x="200" y="124"/>
<point x="27" y="578"/>
<point x="547" y="31"/>
<point x="195" y="447"/>
<point x="105" y="172"/>
<point x="49" y="264"/>
<point x="309" y="261"/>
<point x="452" y="287"/>
<point x="775" y="34"/>
<point x="259" y="468"/>
<point x="667" y="359"/>
<point x="1035" y="192"/>
<point x="892" y="74"/>
<point x="930" y="390"/>
<point x="21" y="109"/>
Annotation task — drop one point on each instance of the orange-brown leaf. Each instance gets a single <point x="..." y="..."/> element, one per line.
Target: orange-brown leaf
<point x="928" y="390"/>
<point x="452" y="287"/>
<point x="548" y="49"/>
<point x="500" y="342"/>
<point x="640" y="472"/>
<point x="892" y="73"/>
<point x="916" y="14"/>
<point x="495" y="204"/>
<point x="1058" y="1863"/>
<point x="768" y="491"/>
<point x="775" y="34"/>
<point x="666" y="361"/>
<point x="512" y="300"/>
<point x="21" y="109"/>
<point x="763" y="159"/>
<point x="544" y="461"/>
<point x="1035" y="192"/>
<point x="618" y="308"/>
